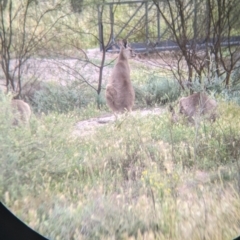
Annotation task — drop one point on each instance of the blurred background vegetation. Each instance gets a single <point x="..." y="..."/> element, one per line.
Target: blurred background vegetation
<point x="63" y="31"/>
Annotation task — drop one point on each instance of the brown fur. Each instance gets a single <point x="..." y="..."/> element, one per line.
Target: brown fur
<point x="198" y="104"/>
<point x="120" y="94"/>
<point x="21" y="111"/>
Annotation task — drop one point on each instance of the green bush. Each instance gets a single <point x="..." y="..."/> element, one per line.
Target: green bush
<point x="62" y="99"/>
<point x="233" y="92"/>
<point x="157" y="90"/>
<point x="217" y="86"/>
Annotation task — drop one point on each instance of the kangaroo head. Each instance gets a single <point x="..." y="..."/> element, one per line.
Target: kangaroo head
<point x="21" y="111"/>
<point x="126" y="51"/>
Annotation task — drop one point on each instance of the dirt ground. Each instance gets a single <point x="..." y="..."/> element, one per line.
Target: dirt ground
<point x="82" y="67"/>
<point x="88" y="126"/>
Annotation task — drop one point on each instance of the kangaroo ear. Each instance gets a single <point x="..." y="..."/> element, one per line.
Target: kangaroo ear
<point x="123" y="43"/>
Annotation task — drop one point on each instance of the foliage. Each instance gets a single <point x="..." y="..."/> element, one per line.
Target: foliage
<point x="49" y="28"/>
<point x="76" y="5"/>
<point x="217" y="87"/>
<point x="233" y="92"/>
<point x="201" y="35"/>
<point x="135" y="178"/>
<point x="135" y="182"/>
<point x="157" y="90"/>
<point x="54" y="97"/>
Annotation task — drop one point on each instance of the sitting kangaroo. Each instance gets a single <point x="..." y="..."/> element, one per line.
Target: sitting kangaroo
<point x="21" y="111"/>
<point x="120" y="94"/>
<point x="195" y="105"/>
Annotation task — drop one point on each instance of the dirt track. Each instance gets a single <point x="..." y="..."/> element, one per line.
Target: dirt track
<point x="89" y="126"/>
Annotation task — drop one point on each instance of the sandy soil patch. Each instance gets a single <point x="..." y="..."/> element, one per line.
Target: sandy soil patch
<point x="89" y="126"/>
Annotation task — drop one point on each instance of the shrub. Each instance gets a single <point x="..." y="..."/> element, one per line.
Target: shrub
<point x="158" y="90"/>
<point x="62" y="99"/>
<point x="233" y="92"/>
<point x="217" y="86"/>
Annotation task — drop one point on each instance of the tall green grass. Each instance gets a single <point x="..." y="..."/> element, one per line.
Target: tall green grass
<point x="135" y="178"/>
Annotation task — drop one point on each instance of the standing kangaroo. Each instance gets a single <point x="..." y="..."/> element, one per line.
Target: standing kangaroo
<point x="21" y="111"/>
<point x="120" y="94"/>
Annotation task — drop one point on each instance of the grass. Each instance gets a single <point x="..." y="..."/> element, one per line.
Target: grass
<point x="155" y="88"/>
<point x="136" y="178"/>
